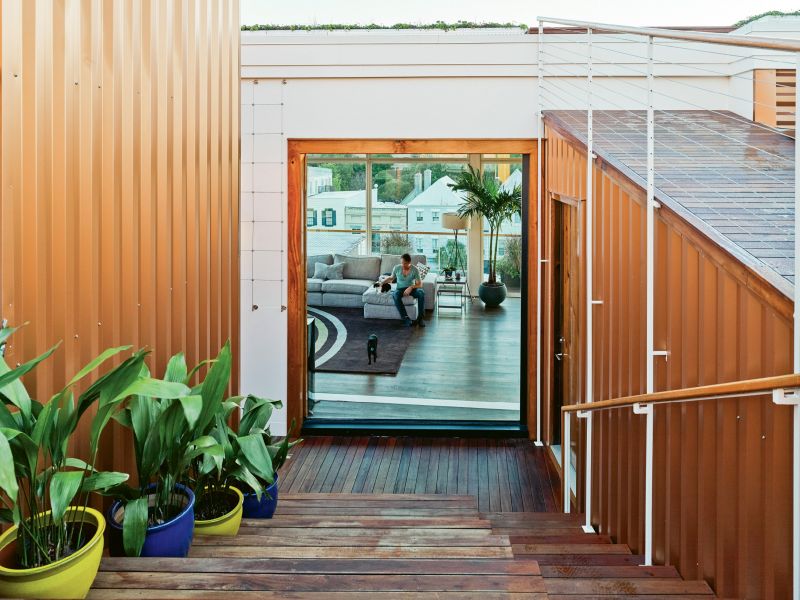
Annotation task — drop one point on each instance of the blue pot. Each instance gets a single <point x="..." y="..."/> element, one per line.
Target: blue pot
<point x="253" y="509"/>
<point x="172" y="538"/>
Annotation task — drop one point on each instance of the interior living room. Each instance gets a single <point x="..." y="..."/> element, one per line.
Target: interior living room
<point x="463" y="362"/>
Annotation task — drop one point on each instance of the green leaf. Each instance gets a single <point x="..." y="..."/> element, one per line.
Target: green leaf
<point x="91" y="366"/>
<point x="6" y="332"/>
<point x="214" y="387"/>
<point x="254" y="455"/>
<point x="197" y="367"/>
<point x="103" y="481"/>
<point x="13" y="389"/>
<point x="8" y="476"/>
<point x="134" y="526"/>
<point x="192" y="406"/>
<point x="244" y="475"/>
<point x="63" y="487"/>
<point x="156" y="388"/>
<point x="6" y="515"/>
<point x="176" y="369"/>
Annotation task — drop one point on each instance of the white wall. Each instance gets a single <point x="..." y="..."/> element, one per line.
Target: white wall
<point x="424" y="85"/>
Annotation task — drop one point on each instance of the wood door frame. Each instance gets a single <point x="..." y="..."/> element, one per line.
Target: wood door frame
<point x="297" y="149"/>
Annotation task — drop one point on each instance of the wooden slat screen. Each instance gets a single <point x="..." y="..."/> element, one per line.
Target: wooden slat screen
<point x="774" y="97"/>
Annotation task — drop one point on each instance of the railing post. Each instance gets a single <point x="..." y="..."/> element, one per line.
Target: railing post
<point x="650" y="234"/>
<point x="647" y="410"/>
<point x="796" y="332"/>
<point x="589" y="283"/>
<point x="566" y="460"/>
<point x="539" y="138"/>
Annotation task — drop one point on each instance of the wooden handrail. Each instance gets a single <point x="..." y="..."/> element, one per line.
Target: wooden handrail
<point x="732" y="388"/>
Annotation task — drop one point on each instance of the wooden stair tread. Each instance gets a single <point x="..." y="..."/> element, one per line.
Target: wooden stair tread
<point x="397" y="547"/>
<point x="322" y="566"/>
<point x="626" y="586"/>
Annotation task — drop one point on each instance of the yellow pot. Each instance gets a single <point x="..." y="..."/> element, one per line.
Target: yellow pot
<point x="227" y="524"/>
<point x="70" y="577"/>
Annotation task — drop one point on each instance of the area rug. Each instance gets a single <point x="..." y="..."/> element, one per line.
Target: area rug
<point x="342" y="335"/>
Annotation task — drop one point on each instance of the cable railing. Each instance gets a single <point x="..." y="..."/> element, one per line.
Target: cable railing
<point x="577" y="74"/>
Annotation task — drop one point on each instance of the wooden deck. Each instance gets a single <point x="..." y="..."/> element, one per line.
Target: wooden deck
<point x="501" y="474"/>
<point x="397" y="547"/>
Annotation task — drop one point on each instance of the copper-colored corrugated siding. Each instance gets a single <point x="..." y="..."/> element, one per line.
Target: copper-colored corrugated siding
<point x="120" y="180"/>
<point x="722" y="488"/>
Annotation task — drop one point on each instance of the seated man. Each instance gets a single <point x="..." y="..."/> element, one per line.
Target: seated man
<point x="409" y="283"/>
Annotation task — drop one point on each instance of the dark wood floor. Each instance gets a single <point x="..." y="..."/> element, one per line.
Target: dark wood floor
<point x="471" y="356"/>
<point x="507" y="475"/>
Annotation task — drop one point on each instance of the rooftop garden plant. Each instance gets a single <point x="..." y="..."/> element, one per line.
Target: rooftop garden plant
<point x="168" y="435"/>
<point x="438" y="25"/>
<point x="45" y="490"/>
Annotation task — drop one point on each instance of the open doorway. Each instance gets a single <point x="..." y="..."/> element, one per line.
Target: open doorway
<point x="363" y="212"/>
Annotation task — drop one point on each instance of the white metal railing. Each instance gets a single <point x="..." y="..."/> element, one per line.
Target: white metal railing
<point x="598" y="91"/>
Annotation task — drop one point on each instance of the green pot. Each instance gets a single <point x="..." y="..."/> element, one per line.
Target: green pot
<point x="492" y="294"/>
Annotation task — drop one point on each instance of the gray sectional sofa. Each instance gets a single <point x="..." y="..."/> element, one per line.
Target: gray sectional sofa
<point x="355" y="288"/>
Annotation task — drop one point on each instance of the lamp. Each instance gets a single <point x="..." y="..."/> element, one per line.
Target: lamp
<point x="456" y="223"/>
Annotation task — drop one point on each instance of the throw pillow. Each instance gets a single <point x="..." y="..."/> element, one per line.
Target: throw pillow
<point x="423" y="270"/>
<point x="320" y="270"/>
<point x="335" y="271"/>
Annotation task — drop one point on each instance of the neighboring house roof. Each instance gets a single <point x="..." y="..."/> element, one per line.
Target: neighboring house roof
<point x="729" y="177"/>
<point x="438" y="194"/>
<point x="323" y="242"/>
<point x="514" y="180"/>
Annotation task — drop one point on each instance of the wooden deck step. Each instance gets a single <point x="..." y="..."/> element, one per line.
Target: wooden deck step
<point x="398" y="547"/>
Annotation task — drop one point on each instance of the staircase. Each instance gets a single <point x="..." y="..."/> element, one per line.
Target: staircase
<point x="397" y="546"/>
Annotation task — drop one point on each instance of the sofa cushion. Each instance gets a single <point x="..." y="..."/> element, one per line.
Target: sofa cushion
<point x="374" y="296"/>
<point x="390" y="261"/>
<point x="326" y="259"/>
<point x="323" y="271"/>
<point x="360" y="267"/>
<point x="346" y="286"/>
<point x="314" y="285"/>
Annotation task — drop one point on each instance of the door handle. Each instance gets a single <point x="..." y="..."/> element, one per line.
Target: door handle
<point x="560" y="355"/>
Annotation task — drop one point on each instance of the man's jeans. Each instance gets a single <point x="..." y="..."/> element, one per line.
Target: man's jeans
<point x="417" y="293"/>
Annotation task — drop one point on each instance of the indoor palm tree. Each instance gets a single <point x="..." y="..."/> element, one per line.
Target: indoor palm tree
<point x="487" y="198"/>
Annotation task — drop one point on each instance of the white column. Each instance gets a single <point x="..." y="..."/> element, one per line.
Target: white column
<point x="539" y="138"/>
<point x="589" y="282"/>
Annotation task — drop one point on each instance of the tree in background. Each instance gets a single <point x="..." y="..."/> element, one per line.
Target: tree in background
<point x="395" y="243"/>
<point x="510" y="266"/>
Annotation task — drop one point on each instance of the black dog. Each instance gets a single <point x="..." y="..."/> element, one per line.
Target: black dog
<point x="372" y="348"/>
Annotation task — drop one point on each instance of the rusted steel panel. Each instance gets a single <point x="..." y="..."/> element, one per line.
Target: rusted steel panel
<point x="722" y="495"/>
<point x="119" y="220"/>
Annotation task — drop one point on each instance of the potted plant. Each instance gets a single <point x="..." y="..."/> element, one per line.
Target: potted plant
<point x="245" y="463"/>
<point x="510" y="266"/>
<point x="264" y="506"/>
<point x="486" y="198"/>
<point x="156" y="518"/>
<point x="54" y="548"/>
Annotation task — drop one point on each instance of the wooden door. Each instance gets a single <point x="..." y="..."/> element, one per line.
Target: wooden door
<point x="565" y="357"/>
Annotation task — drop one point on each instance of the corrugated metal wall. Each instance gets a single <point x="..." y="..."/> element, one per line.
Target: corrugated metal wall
<point x="722" y="492"/>
<point x="120" y="177"/>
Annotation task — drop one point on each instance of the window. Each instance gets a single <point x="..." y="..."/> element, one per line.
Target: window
<point x="420" y="216"/>
<point x="420" y="249"/>
<point x="435" y="245"/>
<point x="517" y="219"/>
<point x="311" y="217"/>
<point x="329" y="217"/>
<point x="435" y="216"/>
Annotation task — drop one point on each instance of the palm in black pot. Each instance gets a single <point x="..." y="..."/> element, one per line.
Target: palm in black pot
<point x="487" y="198"/>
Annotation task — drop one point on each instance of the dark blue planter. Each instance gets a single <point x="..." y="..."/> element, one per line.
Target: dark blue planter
<point x="253" y="509"/>
<point x="172" y="538"/>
